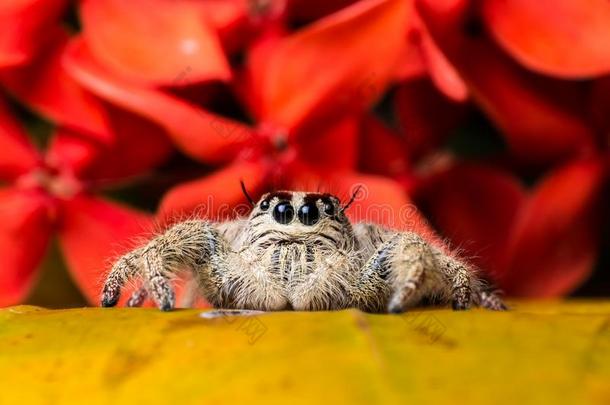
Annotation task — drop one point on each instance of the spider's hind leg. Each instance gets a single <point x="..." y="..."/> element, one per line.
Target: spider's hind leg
<point x="460" y="279"/>
<point x="491" y="300"/>
<point x="465" y="287"/>
<point x="461" y="289"/>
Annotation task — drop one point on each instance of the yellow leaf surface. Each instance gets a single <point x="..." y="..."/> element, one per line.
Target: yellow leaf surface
<point x="540" y="352"/>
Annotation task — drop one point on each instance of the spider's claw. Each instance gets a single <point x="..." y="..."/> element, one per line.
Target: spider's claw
<point x="459" y="305"/>
<point x="109" y="301"/>
<point x="166" y="302"/>
<point x="110" y="295"/>
<point x="403" y="298"/>
<point x="396" y="305"/>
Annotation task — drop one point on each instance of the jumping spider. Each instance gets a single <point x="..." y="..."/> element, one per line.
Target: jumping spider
<point x="298" y="251"/>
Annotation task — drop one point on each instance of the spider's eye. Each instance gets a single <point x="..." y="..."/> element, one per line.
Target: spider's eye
<point x="329" y="208"/>
<point x="308" y="214"/>
<point x="264" y="205"/>
<point x="283" y="212"/>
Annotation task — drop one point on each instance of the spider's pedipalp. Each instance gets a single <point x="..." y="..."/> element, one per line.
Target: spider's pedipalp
<point x="325" y="287"/>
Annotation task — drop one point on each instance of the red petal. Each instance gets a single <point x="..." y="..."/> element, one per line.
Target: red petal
<point x="45" y="86"/>
<point x="475" y="206"/>
<point x="247" y="83"/>
<point x="124" y="158"/>
<point x="556" y="236"/>
<point x="215" y="196"/>
<point x="127" y="156"/>
<point x="335" y="144"/>
<point x="422" y="56"/>
<point x="24" y="235"/>
<point x="541" y="120"/>
<point x="382" y="151"/>
<point x="347" y="58"/>
<point x="153" y="41"/>
<point x="418" y="107"/>
<point x="412" y="64"/>
<point x="17" y="154"/>
<point x="223" y="14"/>
<point x="230" y="20"/>
<point x="567" y="38"/>
<point x="198" y="133"/>
<point x="94" y="232"/>
<point x="238" y="22"/>
<point x="441" y="72"/>
<point x="24" y="26"/>
<point x="69" y="150"/>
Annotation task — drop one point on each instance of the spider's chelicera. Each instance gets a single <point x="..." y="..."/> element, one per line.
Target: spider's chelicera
<point x="298" y="251"/>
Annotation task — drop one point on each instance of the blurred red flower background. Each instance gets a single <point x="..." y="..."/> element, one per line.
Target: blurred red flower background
<point x="485" y="124"/>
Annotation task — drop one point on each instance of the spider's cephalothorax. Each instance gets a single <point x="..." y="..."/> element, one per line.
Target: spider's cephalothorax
<point x="298" y="251"/>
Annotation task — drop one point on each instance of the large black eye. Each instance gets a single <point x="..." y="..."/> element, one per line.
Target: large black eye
<point x="265" y="205"/>
<point x="309" y="214"/>
<point x="283" y="212"/>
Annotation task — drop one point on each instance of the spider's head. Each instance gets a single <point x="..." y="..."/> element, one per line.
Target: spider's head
<point x="298" y="212"/>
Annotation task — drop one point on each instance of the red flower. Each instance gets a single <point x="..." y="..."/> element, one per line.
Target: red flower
<point x="539" y="242"/>
<point x="305" y="92"/>
<point x="47" y="193"/>
<point x="50" y="193"/>
<point x="238" y="88"/>
<point x="540" y="118"/>
<point x="44" y="85"/>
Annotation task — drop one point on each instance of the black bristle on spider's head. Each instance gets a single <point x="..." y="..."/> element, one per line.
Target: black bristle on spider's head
<point x="245" y="191"/>
<point x="353" y="198"/>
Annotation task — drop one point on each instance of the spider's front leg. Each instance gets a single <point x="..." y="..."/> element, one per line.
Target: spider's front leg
<point x="191" y="245"/>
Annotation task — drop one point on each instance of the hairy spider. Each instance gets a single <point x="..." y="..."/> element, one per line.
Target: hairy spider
<point x="299" y="251"/>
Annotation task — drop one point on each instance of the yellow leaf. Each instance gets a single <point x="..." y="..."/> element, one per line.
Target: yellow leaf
<point x="540" y="352"/>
